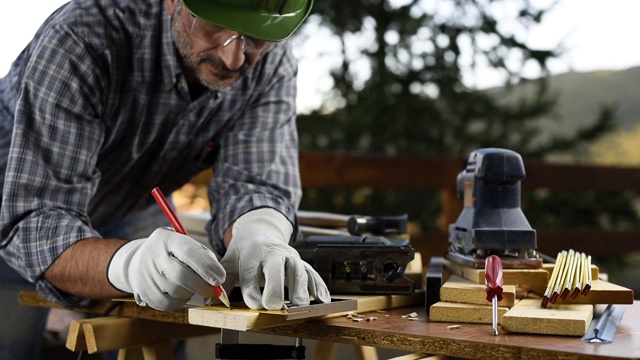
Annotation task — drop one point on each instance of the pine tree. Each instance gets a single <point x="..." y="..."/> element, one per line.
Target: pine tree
<point x="414" y="101"/>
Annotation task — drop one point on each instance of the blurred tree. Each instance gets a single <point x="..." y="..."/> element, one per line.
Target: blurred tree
<point x="620" y="148"/>
<point x="399" y="88"/>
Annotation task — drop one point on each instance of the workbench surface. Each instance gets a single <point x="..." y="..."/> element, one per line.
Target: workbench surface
<point x="393" y="331"/>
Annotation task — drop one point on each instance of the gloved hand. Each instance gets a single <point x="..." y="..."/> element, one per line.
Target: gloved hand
<point x="165" y="270"/>
<point x="259" y="250"/>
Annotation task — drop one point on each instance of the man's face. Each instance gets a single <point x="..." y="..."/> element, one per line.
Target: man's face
<point x="215" y="66"/>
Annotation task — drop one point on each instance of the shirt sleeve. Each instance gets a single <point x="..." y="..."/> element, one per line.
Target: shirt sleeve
<point x="51" y="173"/>
<point x="257" y="163"/>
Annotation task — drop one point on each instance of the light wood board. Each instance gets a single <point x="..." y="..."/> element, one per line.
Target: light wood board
<point x="459" y="290"/>
<point x="247" y="319"/>
<point x="602" y="292"/>
<point x="113" y="333"/>
<point x="522" y="277"/>
<point x="528" y="317"/>
<point x="464" y="313"/>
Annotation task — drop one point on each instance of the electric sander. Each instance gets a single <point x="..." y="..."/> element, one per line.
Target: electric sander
<point x="492" y="222"/>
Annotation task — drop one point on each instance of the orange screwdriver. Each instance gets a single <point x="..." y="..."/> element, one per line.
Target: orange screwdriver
<point x="494" y="282"/>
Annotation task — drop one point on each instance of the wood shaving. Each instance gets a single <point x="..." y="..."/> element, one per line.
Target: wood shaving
<point x="413" y="315"/>
<point x="453" y="327"/>
<point x="355" y="317"/>
<point x="371" y="318"/>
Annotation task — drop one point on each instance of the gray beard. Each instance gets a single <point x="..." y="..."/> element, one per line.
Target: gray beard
<point x="185" y="49"/>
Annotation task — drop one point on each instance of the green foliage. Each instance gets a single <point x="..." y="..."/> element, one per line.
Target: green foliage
<point x="412" y="98"/>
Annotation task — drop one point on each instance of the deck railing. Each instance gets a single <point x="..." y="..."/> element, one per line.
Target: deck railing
<point x="342" y="170"/>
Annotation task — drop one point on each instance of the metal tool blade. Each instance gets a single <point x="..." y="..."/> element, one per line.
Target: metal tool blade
<point x="603" y="327"/>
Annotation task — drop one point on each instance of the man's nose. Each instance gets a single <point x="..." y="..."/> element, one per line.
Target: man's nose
<point x="232" y="54"/>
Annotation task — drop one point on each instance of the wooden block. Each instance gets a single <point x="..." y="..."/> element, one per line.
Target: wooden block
<point x="75" y="336"/>
<point x="522" y="277"/>
<point x="464" y="313"/>
<point x="528" y="317"/>
<point x="235" y="319"/>
<point x="602" y="292"/>
<point x="244" y="319"/>
<point x="112" y="333"/>
<point x="460" y="290"/>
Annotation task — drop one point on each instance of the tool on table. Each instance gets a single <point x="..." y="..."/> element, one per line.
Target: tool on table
<point x="355" y="224"/>
<point x="435" y="278"/>
<point x="492" y="222"/>
<point x="377" y="225"/>
<point x="571" y="276"/>
<point x="494" y="281"/>
<point x="177" y="225"/>
<point x="359" y="264"/>
<point x="603" y="327"/>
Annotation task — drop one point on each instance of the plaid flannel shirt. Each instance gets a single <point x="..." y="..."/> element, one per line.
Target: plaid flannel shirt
<point x="100" y="114"/>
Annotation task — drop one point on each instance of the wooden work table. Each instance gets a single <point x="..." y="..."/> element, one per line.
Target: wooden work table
<point x="393" y="331"/>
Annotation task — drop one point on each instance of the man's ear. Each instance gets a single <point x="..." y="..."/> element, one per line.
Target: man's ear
<point x="171" y="6"/>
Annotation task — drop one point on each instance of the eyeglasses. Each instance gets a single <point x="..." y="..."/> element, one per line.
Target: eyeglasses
<point x="217" y="36"/>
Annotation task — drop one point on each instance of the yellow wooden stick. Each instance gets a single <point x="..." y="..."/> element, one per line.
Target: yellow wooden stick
<point x="552" y="281"/>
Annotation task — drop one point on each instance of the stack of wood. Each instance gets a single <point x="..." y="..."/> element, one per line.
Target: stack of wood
<point x="463" y="300"/>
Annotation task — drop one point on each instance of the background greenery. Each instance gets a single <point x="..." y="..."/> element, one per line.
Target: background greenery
<point x="412" y="100"/>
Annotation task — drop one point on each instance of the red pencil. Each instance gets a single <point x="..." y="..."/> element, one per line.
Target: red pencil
<point x="177" y="225"/>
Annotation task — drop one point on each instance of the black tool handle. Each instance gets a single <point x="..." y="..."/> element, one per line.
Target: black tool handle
<point x="377" y="225"/>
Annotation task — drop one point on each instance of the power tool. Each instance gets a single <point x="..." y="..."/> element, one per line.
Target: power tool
<point x="360" y="264"/>
<point x="492" y="222"/>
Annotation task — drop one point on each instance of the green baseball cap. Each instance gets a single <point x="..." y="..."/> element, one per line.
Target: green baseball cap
<point x="270" y="20"/>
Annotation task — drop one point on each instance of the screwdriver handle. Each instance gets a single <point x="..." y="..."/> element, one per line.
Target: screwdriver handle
<point x="493" y="277"/>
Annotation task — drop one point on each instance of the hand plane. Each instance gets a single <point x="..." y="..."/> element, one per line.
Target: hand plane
<point x="492" y="222"/>
<point x="359" y="264"/>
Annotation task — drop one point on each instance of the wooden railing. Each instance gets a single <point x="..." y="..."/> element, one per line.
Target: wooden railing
<point x="340" y="170"/>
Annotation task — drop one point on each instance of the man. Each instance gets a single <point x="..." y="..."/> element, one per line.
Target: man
<point x="115" y="97"/>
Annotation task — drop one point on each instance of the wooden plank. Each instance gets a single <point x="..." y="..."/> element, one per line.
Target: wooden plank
<point x="326" y="350"/>
<point x="113" y="333"/>
<point x="464" y="313"/>
<point x="472" y="341"/>
<point x="419" y="356"/>
<point x="602" y="292"/>
<point x="75" y="336"/>
<point x="366" y="352"/>
<point x="406" y="172"/>
<point x="402" y="172"/>
<point x="244" y="319"/>
<point x="460" y="290"/>
<point x="528" y="317"/>
<point x="134" y="353"/>
<point x="127" y="308"/>
<point x="522" y="277"/>
<point x="161" y="351"/>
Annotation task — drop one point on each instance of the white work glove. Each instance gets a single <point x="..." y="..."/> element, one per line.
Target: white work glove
<point x="259" y="251"/>
<point x="165" y="270"/>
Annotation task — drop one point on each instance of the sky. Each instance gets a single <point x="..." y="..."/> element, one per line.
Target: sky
<point x="597" y="35"/>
